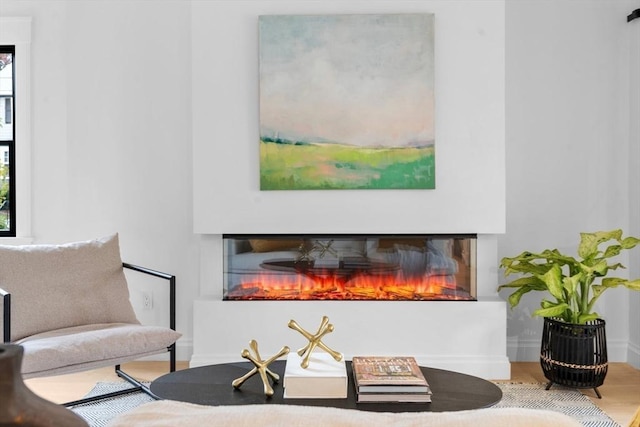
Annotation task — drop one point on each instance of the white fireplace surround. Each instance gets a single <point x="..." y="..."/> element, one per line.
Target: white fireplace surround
<point x="469" y="337"/>
<point x="469" y="197"/>
<point x="465" y="336"/>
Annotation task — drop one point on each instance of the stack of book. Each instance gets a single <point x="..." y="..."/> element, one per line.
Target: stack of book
<point x="389" y="379"/>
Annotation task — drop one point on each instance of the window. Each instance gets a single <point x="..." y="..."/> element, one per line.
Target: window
<point x="15" y="133"/>
<point x="7" y="143"/>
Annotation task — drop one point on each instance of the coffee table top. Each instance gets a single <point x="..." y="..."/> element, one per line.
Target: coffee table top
<point x="211" y="385"/>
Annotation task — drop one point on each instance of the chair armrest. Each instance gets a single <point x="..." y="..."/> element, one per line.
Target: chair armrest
<point x="172" y="288"/>
<point x="6" y="315"/>
<point x="172" y="306"/>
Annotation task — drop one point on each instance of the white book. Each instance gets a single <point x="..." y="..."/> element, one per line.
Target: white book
<point x="324" y="378"/>
<point x="326" y="263"/>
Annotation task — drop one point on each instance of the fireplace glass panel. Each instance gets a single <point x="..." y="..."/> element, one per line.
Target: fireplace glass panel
<point x="355" y="267"/>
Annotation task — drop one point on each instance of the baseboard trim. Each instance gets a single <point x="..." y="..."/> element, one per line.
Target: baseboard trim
<point x="633" y="355"/>
<point x="519" y="350"/>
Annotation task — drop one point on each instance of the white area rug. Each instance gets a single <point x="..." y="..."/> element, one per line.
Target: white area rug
<point x="98" y="414"/>
<point x="568" y="401"/>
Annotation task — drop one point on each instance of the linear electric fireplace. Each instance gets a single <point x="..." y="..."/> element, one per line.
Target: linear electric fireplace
<point x="349" y="267"/>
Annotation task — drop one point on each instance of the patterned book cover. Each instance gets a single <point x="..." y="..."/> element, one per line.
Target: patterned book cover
<point x="387" y="370"/>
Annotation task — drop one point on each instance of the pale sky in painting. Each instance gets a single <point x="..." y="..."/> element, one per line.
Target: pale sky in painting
<point x="358" y="79"/>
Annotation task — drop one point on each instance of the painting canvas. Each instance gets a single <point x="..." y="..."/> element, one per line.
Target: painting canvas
<point x="347" y="102"/>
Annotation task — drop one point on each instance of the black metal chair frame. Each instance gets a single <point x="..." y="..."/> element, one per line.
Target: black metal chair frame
<point x="137" y="385"/>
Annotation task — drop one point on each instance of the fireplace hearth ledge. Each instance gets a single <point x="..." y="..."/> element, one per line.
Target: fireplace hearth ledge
<point x="464" y="336"/>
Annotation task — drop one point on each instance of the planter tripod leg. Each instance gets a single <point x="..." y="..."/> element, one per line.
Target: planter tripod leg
<point x="597" y="392"/>
<point x="549" y="384"/>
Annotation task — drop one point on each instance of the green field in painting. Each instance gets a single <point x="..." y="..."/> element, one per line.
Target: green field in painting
<point x="336" y="166"/>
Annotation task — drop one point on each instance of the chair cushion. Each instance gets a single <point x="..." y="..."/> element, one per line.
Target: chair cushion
<point x="90" y="346"/>
<point x="60" y="286"/>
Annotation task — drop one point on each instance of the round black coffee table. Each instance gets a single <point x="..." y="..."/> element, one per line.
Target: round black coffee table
<point x="211" y="385"/>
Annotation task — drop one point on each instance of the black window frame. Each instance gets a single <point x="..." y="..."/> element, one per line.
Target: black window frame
<point x="12" y="230"/>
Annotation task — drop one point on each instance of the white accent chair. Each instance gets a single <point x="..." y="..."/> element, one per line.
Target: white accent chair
<point x="68" y="306"/>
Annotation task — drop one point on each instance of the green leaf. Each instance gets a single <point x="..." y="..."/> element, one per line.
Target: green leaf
<point x="616" y="266"/>
<point x="570" y="284"/>
<point x="600" y="268"/>
<point x="634" y="285"/>
<point x="522" y="264"/>
<point x="553" y="279"/>
<point x="523" y="285"/>
<point x="514" y="298"/>
<point x="629" y="242"/>
<point x="612" y="251"/>
<point x="545" y="303"/>
<point x="598" y="290"/>
<point x="589" y="241"/>
<point x="556" y="257"/>
<point x="531" y="281"/>
<point x="584" y="318"/>
<point x="588" y="245"/>
<point x="612" y="282"/>
<point x="553" y="311"/>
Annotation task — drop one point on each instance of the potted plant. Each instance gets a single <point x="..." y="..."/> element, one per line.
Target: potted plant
<point x="573" y="350"/>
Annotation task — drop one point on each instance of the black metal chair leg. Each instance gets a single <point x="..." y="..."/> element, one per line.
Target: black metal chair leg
<point x="102" y="397"/>
<point x="136" y="383"/>
<point x="138" y="386"/>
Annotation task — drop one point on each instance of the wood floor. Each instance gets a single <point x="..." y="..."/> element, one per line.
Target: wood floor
<point x="620" y="392"/>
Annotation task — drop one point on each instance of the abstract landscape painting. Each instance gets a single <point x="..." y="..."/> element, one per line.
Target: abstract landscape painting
<point x="347" y="102"/>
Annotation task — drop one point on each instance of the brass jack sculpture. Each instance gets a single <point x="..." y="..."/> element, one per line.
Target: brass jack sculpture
<point x="315" y="340"/>
<point x="323" y="248"/>
<point x="260" y="366"/>
<point x="304" y="253"/>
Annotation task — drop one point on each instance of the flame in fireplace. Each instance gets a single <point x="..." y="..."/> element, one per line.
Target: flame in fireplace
<point x="358" y="287"/>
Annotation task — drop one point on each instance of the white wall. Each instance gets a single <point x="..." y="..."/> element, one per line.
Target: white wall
<point x="469" y="136"/>
<point x="568" y="150"/>
<point x="469" y="109"/>
<point x="111" y="131"/>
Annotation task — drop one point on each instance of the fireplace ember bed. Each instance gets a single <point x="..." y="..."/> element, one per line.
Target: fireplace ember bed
<point x="350" y="267"/>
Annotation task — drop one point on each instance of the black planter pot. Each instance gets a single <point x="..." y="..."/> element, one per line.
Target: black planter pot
<point x="574" y="355"/>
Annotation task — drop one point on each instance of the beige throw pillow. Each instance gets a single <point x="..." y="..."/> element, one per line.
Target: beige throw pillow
<point x="60" y="286"/>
